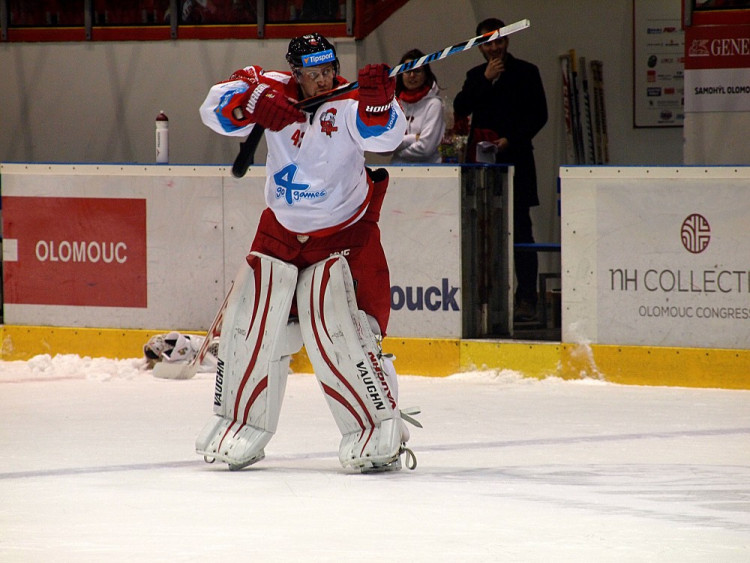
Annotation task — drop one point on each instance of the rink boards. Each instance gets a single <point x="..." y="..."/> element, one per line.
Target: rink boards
<point x="437" y="357"/>
<point x="656" y="256"/>
<point x="648" y="255"/>
<point x="127" y="246"/>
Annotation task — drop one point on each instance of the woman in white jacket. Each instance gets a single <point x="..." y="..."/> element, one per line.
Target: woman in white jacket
<point x="417" y="90"/>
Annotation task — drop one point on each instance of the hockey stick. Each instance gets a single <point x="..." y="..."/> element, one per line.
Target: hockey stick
<point x="427" y="59"/>
<point x="247" y="149"/>
<point x="570" y="150"/>
<point x="601" y="112"/>
<point x="246" y="156"/>
<point x="187" y="371"/>
<point x="576" y="108"/>
<point x="591" y="159"/>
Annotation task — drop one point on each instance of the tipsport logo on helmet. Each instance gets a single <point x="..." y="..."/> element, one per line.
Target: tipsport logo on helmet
<point x="319" y="58"/>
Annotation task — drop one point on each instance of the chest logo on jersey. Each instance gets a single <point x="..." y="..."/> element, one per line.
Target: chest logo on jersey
<point x="293" y="191"/>
<point x="328" y="122"/>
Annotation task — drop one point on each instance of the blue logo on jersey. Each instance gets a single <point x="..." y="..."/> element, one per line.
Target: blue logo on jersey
<point x="320" y="58"/>
<point x="291" y="191"/>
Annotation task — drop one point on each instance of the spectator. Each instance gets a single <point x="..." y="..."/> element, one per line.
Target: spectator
<point x="417" y="90"/>
<point x="505" y="98"/>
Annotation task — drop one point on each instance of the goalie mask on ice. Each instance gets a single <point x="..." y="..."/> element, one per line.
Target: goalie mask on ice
<point x="257" y="340"/>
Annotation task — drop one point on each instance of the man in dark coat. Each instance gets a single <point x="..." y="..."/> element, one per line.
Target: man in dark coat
<point x="506" y="100"/>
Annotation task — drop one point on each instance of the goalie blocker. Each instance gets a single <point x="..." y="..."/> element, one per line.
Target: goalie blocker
<point x="358" y="382"/>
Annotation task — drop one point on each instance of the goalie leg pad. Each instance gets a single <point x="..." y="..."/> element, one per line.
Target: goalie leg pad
<point x="256" y="344"/>
<point x="346" y="357"/>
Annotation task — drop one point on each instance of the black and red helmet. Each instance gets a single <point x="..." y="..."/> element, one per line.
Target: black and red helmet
<point x="311" y="50"/>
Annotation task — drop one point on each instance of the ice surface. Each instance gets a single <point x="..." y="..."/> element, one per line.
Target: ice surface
<point x="98" y="465"/>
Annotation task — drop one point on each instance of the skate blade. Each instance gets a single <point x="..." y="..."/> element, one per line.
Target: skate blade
<point x="238" y="466"/>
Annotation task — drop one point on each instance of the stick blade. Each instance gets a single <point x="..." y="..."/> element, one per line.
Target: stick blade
<point x="511" y="28"/>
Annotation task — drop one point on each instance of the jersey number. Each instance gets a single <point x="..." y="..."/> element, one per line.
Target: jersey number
<point x="297" y="138"/>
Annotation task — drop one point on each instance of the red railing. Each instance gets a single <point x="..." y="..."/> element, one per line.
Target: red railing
<point x="152" y="20"/>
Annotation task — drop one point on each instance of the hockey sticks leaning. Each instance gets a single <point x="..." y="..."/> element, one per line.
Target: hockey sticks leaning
<point x="247" y="149"/>
<point x="591" y="150"/>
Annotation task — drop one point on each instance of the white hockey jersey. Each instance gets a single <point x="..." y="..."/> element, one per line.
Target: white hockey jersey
<point x="315" y="171"/>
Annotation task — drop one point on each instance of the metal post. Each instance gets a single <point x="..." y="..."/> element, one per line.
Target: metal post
<point x="687" y="13"/>
<point x="486" y="250"/>
<point x="174" y="20"/>
<point x="350" y="17"/>
<point x="4" y="19"/>
<point x="261" y="11"/>
<point x="88" y="18"/>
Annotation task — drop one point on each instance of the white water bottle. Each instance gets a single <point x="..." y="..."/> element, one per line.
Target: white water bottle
<point x="162" y="138"/>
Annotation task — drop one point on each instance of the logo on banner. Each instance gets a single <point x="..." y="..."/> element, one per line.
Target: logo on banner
<point x="696" y="233"/>
<point x="698" y="48"/>
<point x="432" y="298"/>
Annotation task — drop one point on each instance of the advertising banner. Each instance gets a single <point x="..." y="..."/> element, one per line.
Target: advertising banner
<point x="157" y="247"/>
<point x="420" y="231"/>
<point x="75" y="251"/>
<point x="112" y="246"/>
<point x="658" y="64"/>
<point x="674" y="264"/>
<point x="421" y="225"/>
<point x="657" y="256"/>
<point x="717" y="68"/>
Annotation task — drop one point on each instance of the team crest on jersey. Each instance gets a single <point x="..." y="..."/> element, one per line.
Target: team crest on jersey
<point x="328" y="122"/>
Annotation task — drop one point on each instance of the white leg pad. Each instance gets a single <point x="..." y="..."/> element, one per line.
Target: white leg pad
<point x="346" y="357"/>
<point x="256" y="344"/>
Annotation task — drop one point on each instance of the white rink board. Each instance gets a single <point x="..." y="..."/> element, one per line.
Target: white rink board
<point x="420" y="225"/>
<point x="656" y="256"/>
<point x="421" y="231"/>
<point x="183" y="234"/>
<point x="200" y="223"/>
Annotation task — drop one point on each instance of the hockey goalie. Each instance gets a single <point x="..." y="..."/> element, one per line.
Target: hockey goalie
<point x="316" y="274"/>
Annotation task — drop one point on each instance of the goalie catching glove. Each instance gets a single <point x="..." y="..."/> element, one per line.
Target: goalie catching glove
<point x="376" y="90"/>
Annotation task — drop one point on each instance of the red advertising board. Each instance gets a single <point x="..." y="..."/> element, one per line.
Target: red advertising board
<point x="74" y="251"/>
<point x="717" y="46"/>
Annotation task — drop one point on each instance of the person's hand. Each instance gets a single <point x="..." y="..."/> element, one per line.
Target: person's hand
<point x="502" y="144"/>
<point x="495" y="68"/>
<point x="271" y="109"/>
<point x="376" y="89"/>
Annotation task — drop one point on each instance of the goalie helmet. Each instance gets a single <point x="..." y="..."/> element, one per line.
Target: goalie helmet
<point x="174" y="348"/>
<point x="311" y="50"/>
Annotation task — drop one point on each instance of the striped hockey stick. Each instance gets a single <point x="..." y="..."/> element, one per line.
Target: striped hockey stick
<point x="427" y="59"/>
<point x="247" y="148"/>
